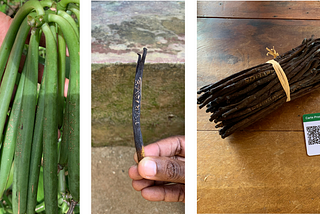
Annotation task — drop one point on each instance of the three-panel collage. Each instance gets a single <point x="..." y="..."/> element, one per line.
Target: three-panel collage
<point x="159" y="106"/>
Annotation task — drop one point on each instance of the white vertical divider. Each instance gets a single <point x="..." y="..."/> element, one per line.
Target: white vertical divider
<point x="85" y="106"/>
<point x="191" y="106"/>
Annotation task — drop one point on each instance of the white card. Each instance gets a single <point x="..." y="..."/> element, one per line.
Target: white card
<point x="311" y="126"/>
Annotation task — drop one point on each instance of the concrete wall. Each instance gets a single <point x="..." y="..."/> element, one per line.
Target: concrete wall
<point x="120" y="29"/>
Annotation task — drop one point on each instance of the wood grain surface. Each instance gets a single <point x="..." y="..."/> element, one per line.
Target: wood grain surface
<point x="260" y="172"/>
<point x="263" y="10"/>
<point x="263" y="168"/>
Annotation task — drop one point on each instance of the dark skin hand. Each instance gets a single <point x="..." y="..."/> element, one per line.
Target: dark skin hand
<point x="160" y="176"/>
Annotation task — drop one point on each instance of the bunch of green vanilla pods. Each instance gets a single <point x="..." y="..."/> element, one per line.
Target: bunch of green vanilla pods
<point x="40" y="171"/>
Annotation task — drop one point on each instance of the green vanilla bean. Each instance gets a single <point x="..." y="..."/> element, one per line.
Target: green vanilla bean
<point x="46" y="3"/>
<point x="62" y="191"/>
<point x="40" y="192"/>
<point x="40" y="208"/>
<point x="1" y="142"/>
<point x="36" y="152"/>
<point x="53" y="30"/>
<point x="11" y="135"/>
<point x="62" y="182"/>
<point x="17" y="156"/>
<point x="10" y="75"/>
<point x="28" y="108"/>
<point x="63" y="150"/>
<point x="61" y="75"/>
<point x="62" y="5"/>
<point x="71" y="21"/>
<point x="50" y="124"/>
<point x="75" y="9"/>
<point x="14" y="27"/>
<point x="64" y="208"/>
<point x="10" y="178"/>
<point x="73" y="101"/>
<point x="6" y="92"/>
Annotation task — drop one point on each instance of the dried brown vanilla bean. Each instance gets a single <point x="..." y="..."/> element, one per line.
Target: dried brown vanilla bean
<point x="245" y="97"/>
<point x="136" y="105"/>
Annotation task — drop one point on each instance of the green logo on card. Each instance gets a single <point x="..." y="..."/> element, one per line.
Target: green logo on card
<point x="311" y="117"/>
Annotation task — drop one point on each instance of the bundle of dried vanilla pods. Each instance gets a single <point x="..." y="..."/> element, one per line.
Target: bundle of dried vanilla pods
<point x="245" y="97"/>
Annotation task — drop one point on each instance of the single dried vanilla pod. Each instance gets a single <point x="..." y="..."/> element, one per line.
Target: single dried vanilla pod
<point x="136" y="105"/>
<point x="245" y="97"/>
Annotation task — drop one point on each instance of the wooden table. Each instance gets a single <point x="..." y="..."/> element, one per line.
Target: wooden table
<point x="263" y="168"/>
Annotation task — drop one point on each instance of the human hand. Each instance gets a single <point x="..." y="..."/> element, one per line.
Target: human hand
<point x="5" y="22"/>
<point x="160" y="176"/>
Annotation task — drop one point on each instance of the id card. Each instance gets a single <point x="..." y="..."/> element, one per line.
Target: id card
<point x="311" y="126"/>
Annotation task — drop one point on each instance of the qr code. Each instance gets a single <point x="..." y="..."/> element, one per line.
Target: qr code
<point x="313" y="133"/>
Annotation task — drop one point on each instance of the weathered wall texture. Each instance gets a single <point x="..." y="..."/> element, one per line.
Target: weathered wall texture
<point x="119" y="30"/>
<point x="162" y="112"/>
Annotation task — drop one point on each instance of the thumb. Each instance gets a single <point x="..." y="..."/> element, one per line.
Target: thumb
<point x="162" y="169"/>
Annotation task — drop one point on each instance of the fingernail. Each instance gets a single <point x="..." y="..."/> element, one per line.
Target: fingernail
<point x="149" y="168"/>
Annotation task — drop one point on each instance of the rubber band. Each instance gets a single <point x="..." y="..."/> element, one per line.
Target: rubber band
<point x="282" y="77"/>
